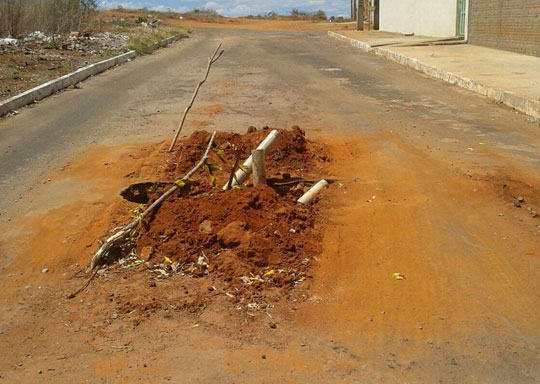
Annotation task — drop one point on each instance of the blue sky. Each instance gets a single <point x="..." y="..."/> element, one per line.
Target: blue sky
<point x="236" y="7"/>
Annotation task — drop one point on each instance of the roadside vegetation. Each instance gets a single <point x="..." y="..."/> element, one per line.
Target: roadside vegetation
<point x="18" y="17"/>
<point x="141" y="15"/>
<point x="206" y="15"/>
<point x="43" y="39"/>
<point x="296" y="14"/>
<point x="341" y="19"/>
<point x="145" y="41"/>
<point x="211" y="16"/>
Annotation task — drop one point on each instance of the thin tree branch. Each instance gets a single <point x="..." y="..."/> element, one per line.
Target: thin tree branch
<point x="234" y="168"/>
<point x="215" y="57"/>
<point x="125" y="232"/>
<point x="71" y="296"/>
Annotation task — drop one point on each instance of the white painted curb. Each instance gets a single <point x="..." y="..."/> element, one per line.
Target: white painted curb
<point x="50" y="87"/>
<point x="355" y="43"/>
<point x="530" y="107"/>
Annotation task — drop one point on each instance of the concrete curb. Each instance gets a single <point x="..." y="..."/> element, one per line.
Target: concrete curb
<point x="165" y="42"/>
<point x="529" y="107"/>
<point x="355" y="43"/>
<point x="50" y="87"/>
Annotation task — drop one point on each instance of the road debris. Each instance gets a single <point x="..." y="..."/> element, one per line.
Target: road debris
<point x="311" y="193"/>
<point x="118" y="238"/>
<point x="227" y="237"/>
<point x="35" y="58"/>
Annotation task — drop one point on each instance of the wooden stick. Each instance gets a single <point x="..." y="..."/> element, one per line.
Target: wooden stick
<point x="243" y="172"/>
<point x="259" y="172"/>
<point x="215" y="57"/>
<point x="127" y="230"/>
<point x="360" y="16"/>
<point x="234" y="167"/>
<point x="275" y="183"/>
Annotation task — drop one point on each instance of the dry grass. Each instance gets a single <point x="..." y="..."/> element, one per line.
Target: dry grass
<point x="144" y="15"/>
<point x="295" y="15"/>
<point x="19" y="17"/>
<point x="144" y="41"/>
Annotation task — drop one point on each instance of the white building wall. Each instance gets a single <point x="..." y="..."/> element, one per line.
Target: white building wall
<point x="421" y="17"/>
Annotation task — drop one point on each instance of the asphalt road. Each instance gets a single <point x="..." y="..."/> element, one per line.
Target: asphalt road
<point x="279" y="78"/>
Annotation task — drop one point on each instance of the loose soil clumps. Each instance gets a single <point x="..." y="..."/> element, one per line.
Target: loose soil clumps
<point x="248" y="241"/>
<point x="294" y="154"/>
<point x="242" y="232"/>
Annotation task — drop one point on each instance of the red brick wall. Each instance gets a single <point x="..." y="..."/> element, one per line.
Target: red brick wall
<point x="512" y="25"/>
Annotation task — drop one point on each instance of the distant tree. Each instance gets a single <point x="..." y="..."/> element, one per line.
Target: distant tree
<point x="320" y="14"/>
<point x="299" y="14"/>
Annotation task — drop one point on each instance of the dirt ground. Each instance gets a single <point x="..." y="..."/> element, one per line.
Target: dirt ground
<point x="268" y="25"/>
<point x="393" y="212"/>
<point x="37" y="58"/>
<point x="21" y="70"/>
<point x="252" y="245"/>
<point x="242" y="23"/>
<point x="447" y="218"/>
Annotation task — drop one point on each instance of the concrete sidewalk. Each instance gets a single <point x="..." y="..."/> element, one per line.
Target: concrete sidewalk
<point x="510" y="78"/>
<point x="377" y="39"/>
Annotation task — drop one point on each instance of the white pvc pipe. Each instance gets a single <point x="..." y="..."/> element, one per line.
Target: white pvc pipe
<point x="266" y="145"/>
<point x="310" y="195"/>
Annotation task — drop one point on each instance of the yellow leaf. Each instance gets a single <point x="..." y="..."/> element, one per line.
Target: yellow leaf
<point x="271" y="272"/>
<point x="168" y="260"/>
<point x="214" y="167"/>
<point x="398" y="276"/>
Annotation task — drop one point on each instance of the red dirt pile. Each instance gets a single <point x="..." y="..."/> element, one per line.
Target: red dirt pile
<point x="241" y="232"/>
<point x="249" y="237"/>
<point x="294" y="154"/>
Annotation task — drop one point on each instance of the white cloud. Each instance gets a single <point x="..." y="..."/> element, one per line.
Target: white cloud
<point x="237" y="7"/>
<point x="212" y="5"/>
<point x="151" y="5"/>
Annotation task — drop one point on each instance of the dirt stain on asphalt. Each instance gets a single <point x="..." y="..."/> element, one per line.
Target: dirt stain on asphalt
<point x="467" y="303"/>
